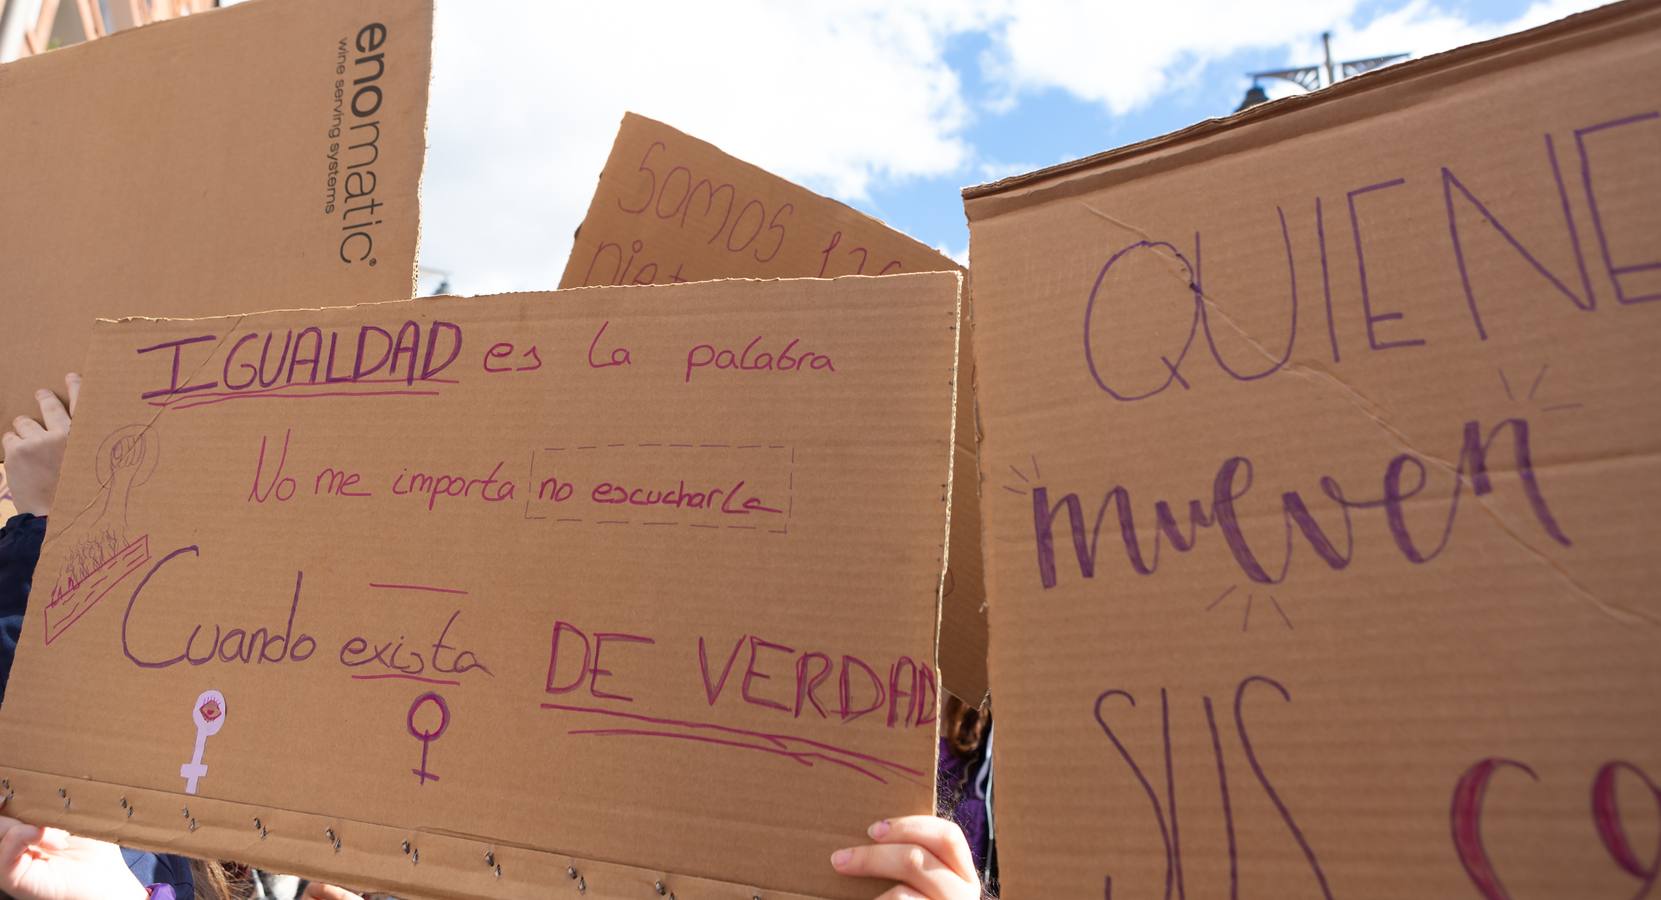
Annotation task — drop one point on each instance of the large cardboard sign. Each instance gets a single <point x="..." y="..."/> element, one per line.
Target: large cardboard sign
<point x="671" y="208"/>
<point x="213" y="164"/>
<point x="472" y="597"/>
<point x="1321" y="453"/>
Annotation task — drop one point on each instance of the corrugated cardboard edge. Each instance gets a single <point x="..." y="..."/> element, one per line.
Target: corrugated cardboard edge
<point x="946" y="491"/>
<point x="426" y="147"/>
<point x="369" y="855"/>
<point x="1291" y="117"/>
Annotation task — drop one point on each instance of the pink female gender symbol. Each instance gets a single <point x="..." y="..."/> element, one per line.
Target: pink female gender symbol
<point x="427" y="737"/>
<point x="208" y="712"/>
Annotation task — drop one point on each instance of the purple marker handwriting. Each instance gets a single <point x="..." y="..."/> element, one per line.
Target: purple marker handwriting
<point x="792" y="682"/>
<point x="1605" y="818"/>
<point x="435" y="702"/>
<point x="1116" y="714"/>
<point x="1405" y="478"/>
<point x="1560" y="279"/>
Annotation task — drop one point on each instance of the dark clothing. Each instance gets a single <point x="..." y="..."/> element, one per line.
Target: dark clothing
<point x="155" y="870"/>
<point x="963" y="784"/>
<point x="20" y="541"/>
<point x="19" y="549"/>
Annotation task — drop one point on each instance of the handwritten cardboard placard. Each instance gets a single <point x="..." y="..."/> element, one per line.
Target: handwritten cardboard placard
<point x="207" y="165"/>
<point x="547" y="571"/>
<point x="1321" y="446"/>
<point x="671" y="208"/>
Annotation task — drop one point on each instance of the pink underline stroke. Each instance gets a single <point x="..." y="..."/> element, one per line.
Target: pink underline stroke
<point x="278" y="388"/>
<point x="801" y="756"/>
<point x="272" y="396"/>
<point x="417" y="587"/>
<point x="244" y="392"/>
<point x="778" y="739"/>
<point x="405" y="677"/>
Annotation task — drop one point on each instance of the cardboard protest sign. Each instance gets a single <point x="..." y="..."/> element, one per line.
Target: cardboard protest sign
<point x="1321" y="446"/>
<point x="671" y="208"/>
<point x="399" y="594"/>
<point x="207" y="165"/>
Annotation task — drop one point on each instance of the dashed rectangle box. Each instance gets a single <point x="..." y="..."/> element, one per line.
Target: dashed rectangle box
<point x="715" y="482"/>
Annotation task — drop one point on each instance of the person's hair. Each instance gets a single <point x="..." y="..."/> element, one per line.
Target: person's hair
<point x="213" y="882"/>
<point x="963" y="726"/>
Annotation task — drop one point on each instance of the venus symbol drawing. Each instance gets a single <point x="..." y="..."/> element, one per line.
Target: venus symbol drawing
<point x="208" y="714"/>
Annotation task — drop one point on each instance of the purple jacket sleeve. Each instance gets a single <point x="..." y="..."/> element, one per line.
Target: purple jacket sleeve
<point x="19" y="550"/>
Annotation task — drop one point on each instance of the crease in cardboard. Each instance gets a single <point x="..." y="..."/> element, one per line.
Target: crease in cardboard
<point x="1122" y="224"/>
<point x="946" y="489"/>
<point x="1374" y="413"/>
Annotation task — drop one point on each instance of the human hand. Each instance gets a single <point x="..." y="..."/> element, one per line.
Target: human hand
<point x="34" y="450"/>
<point x="926" y="855"/>
<point x="315" y="891"/>
<point x="52" y="864"/>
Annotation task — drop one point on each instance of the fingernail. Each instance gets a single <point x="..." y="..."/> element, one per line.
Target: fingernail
<point x="877" y="830"/>
<point x="840" y="858"/>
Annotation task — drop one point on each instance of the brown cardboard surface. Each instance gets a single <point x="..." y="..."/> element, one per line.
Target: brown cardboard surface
<point x="1321" y="453"/>
<point x="207" y="165"/>
<point x="672" y="208"/>
<point x="567" y="573"/>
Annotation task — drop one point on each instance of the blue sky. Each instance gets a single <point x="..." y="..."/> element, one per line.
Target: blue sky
<point x="890" y="105"/>
<point x="1053" y="125"/>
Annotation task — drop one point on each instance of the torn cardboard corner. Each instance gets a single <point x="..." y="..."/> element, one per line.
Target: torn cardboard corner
<point x="674" y="583"/>
<point x="670" y="208"/>
<point x="1316" y="492"/>
<point x="214" y="164"/>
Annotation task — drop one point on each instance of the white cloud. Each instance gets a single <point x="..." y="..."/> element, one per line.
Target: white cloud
<point x="1124" y="55"/>
<point x="526" y="99"/>
<point x="961" y="257"/>
<point x="843" y="98"/>
<point x="1423" y="28"/>
<point x="991" y="170"/>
